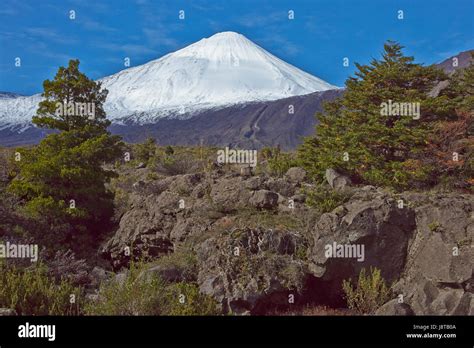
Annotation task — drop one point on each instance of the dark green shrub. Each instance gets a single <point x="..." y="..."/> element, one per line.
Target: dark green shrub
<point x="278" y="162"/>
<point x="169" y="150"/>
<point x="145" y="151"/>
<point x="324" y="198"/>
<point x="185" y="299"/>
<point x="31" y="292"/>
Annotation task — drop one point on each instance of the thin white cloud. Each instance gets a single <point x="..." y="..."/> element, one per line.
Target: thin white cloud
<point x="97" y="6"/>
<point x="281" y="44"/>
<point x="13" y="7"/>
<point x="92" y="25"/>
<point x="50" y="35"/>
<point x="130" y="49"/>
<point x="158" y="27"/>
<point x="157" y="37"/>
<point x="41" y="49"/>
<point x="254" y="20"/>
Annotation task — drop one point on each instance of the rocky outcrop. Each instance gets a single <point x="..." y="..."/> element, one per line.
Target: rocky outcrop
<point x="438" y="275"/>
<point x="248" y="270"/>
<point x="421" y="242"/>
<point x="164" y="213"/>
<point x="369" y="231"/>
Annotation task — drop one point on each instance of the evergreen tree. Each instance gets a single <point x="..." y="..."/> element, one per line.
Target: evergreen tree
<point x="461" y="87"/>
<point x="62" y="180"/>
<point x="354" y="135"/>
<point x="63" y="97"/>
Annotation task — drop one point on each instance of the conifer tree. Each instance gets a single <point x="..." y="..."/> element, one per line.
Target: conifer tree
<point x="62" y="180"/>
<point x="461" y="87"/>
<point x="356" y="138"/>
<point x="69" y="89"/>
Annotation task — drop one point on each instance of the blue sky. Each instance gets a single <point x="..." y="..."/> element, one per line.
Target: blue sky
<point x="322" y="33"/>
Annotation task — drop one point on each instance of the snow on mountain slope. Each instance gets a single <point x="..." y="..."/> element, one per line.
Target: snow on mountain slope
<point x="222" y="70"/>
<point x="6" y="95"/>
<point x="16" y="111"/>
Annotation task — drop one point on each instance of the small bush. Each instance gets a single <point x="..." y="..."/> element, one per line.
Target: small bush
<point x="145" y="151"/>
<point x="370" y="293"/>
<point x="185" y="299"/>
<point x="324" y="198"/>
<point x="150" y="296"/>
<point x="31" y="292"/>
<point x="132" y="297"/>
<point x="183" y="260"/>
<point x="308" y="310"/>
<point x="177" y="160"/>
<point x="65" y="266"/>
<point x="169" y="150"/>
<point x="274" y="162"/>
<point x="279" y="162"/>
<point x="8" y="166"/>
<point x="175" y="164"/>
<point x="434" y="226"/>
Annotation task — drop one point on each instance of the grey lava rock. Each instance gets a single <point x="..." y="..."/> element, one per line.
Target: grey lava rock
<point x="246" y="268"/>
<point x="336" y="180"/>
<point x="170" y="273"/>
<point x="264" y="199"/>
<point x="393" y="307"/>
<point x="296" y="175"/>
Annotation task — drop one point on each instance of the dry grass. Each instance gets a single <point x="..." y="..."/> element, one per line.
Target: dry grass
<point x="312" y="311"/>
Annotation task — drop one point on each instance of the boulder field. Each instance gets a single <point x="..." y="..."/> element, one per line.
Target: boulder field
<point x="257" y="245"/>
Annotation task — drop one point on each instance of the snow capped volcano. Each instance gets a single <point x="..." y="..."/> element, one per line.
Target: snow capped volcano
<point x="224" y="69"/>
